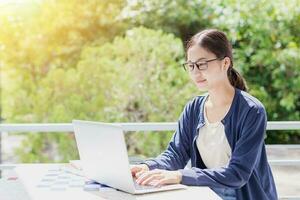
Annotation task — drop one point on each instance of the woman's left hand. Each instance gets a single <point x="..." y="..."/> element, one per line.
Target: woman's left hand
<point x="158" y="177"/>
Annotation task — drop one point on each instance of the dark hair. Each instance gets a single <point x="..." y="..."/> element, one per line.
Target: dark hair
<point x="215" y="41"/>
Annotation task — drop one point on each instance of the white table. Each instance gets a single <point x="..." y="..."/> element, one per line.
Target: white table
<point x="33" y="184"/>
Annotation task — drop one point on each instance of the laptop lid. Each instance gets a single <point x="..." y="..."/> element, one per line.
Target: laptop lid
<point x="103" y="153"/>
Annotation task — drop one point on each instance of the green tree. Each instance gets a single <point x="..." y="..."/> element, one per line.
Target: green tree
<point x="180" y="17"/>
<point x="40" y="48"/>
<point x="265" y="38"/>
<point x="88" y="60"/>
<point x="266" y="43"/>
<point x="147" y="83"/>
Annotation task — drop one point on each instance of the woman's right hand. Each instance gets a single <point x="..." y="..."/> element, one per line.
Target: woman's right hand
<point x="136" y="170"/>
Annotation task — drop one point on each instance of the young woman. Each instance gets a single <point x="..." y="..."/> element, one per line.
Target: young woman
<point x="222" y="132"/>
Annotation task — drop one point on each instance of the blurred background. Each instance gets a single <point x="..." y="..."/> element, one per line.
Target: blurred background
<point x="120" y="61"/>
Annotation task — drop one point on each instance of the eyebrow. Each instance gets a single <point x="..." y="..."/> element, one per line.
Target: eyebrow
<point x="197" y="59"/>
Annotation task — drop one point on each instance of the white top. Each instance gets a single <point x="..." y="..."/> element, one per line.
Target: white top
<point x="212" y="144"/>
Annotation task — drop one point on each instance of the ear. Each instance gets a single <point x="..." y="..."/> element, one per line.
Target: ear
<point x="226" y="63"/>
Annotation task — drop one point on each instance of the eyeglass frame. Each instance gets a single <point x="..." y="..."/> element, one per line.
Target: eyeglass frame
<point x="197" y="64"/>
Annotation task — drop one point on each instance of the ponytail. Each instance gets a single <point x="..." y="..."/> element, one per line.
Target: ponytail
<point x="236" y="79"/>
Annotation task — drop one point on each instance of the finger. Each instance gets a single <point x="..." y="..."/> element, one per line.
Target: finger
<point x="136" y="169"/>
<point x="153" y="183"/>
<point x="161" y="182"/>
<point x="142" y="171"/>
<point x="133" y="167"/>
<point x="139" y="173"/>
<point x="151" y="178"/>
<point x="146" y="175"/>
<point x="142" y="176"/>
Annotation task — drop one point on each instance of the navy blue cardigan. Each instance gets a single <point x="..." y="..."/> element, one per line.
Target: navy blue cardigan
<point x="248" y="171"/>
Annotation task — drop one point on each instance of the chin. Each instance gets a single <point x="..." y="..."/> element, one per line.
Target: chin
<point x="202" y="89"/>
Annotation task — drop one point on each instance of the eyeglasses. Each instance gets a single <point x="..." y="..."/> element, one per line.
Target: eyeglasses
<point x="201" y="65"/>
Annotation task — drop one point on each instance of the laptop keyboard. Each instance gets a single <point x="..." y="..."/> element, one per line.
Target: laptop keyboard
<point x="142" y="187"/>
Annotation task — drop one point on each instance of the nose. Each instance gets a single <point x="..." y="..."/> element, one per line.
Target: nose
<point x="196" y="72"/>
<point x="196" y="75"/>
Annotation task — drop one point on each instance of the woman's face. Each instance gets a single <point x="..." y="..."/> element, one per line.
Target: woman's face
<point x="214" y="75"/>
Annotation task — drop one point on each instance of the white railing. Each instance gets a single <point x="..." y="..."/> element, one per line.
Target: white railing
<point x="151" y="126"/>
<point x="169" y="126"/>
<point x="139" y="126"/>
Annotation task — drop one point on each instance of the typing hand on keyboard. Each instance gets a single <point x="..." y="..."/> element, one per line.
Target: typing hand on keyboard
<point x="158" y="177"/>
<point x="138" y="169"/>
<point x="150" y="185"/>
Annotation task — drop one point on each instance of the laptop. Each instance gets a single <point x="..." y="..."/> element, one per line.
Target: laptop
<point x="104" y="158"/>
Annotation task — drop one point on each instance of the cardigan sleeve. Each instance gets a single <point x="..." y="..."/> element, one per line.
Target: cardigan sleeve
<point x="177" y="153"/>
<point x="247" y="151"/>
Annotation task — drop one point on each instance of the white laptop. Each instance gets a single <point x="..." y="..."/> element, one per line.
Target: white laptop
<point x="104" y="157"/>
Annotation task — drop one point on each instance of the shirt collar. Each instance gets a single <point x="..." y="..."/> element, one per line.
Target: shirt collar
<point x="201" y="120"/>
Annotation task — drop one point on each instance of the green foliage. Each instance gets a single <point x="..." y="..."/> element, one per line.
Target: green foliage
<point x="38" y="54"/>
<point x="265" y="42"/>
<point x="265" y="38"/>
<point x="140" y="88"/>
<point x="120" y="62"/>
<point x="181" y="17"/>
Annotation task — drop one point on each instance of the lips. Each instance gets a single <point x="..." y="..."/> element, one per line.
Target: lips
<point x="200" y="81"/>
